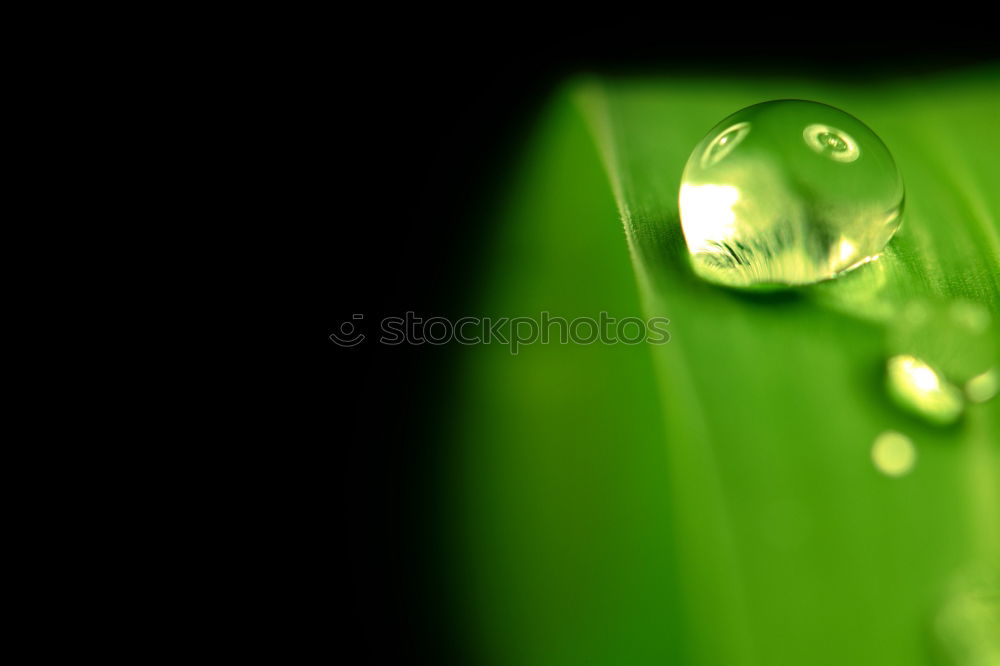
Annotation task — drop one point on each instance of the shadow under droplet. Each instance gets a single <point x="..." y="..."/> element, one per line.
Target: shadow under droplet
<point x="767" y="294"/>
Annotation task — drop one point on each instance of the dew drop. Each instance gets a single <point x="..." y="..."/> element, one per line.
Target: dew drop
<point x="893" y="454"/>
<point x="983" y="387"/>
<point x="920" y="389"/>
<point x="941" y="353"/>
<point x="788" y="193"/>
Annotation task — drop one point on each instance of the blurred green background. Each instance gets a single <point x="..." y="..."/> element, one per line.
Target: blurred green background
<point x="713" y="500"/>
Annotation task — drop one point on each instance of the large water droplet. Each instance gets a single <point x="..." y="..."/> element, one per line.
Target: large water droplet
<point x="788" y="193"/>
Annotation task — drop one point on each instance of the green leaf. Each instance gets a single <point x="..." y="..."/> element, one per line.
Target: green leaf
<point x="713" y="500"/>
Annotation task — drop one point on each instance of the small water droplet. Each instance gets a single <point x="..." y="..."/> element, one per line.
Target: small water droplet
<point x="983" y="387"/>
<point x="893" y="454"/>
<point x="919" y="388"/>
<point x="788" y="193"/>
<point x="952" y="343"/>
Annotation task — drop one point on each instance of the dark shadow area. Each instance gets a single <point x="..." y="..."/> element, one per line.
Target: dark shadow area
<point x="768" y="295"/>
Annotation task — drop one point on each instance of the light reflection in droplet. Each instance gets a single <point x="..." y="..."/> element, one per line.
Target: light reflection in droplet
<point x="724" y="144"/>
<point x="831" y="142"/>
<point x="919" y="388"/>
<point x="893" y="454"/>
<point x="709" y="214"/>
<point x="847" y="249"/>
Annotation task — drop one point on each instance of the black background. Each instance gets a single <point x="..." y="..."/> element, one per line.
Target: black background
<point x="414" y="134"/>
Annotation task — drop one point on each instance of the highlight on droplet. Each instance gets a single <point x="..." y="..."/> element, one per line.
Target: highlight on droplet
<point x="831" y="142"/>
<point x="922" y="390"/>
<point x="724" y="144"/>
<point x="709" y="210"/>
<point x="893" y="454"/>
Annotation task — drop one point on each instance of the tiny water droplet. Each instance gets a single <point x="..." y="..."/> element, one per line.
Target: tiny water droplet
<point x="893" y="454"/>
<point x="788" y="193"/>
<point x="983" y="387"/>
<point x="919" y="388"/>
